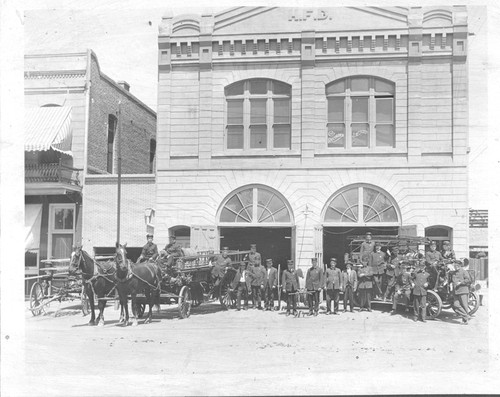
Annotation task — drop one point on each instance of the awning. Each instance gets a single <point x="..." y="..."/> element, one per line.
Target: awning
<point x="48" y="128"/>
<point x="32" y="223"/>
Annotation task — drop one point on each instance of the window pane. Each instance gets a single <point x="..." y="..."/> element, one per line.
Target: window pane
<point x="384" y="108"/>
<point x="282" y="111"/>
<point x="63" y="219"/>
<point x="360" y="135"/>
<point x="385" y="135"/>
<point x="360" y="84"/>
<point x="360" y="109"/>
<point x="258" y="87"/>
<point x="336" y="135"/>
<point x="281" y="88"/>
<point x="282" y="136"/>
<point x="235" y="112"/>
<point x="258" y="136"/>
<point x="336" y="109"/>
<point x="382" y="86"/>
<point x="258" y="111"/>
<point x="62" y="246"/>
<point x="336" y="88"/>
<point x="389" y="215"/>
<point x="235" y="89"/>
<point x="235" y="137"/>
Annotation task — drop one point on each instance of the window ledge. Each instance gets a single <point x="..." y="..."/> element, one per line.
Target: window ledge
<point x="256" y="153"/>
<point x="359" y="151"/>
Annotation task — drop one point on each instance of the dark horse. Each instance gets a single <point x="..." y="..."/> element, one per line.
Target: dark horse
<point x="135" y="278"/>
<point x="97" y="278"/>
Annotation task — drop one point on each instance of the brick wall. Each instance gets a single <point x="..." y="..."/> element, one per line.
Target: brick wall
<point x="138" y="192"/>
<point x="138" y="126"/>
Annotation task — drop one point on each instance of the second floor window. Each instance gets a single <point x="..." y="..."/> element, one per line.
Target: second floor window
<point x="112" y="122"/>
<point x="258" y="115"/>
<point x="360" y="113"/>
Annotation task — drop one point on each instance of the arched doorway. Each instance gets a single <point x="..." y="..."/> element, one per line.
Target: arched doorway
<point x="261" y="215"/>
<point x="355" y="210"/>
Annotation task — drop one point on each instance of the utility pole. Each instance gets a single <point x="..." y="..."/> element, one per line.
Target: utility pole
<point x="119" y="152"/>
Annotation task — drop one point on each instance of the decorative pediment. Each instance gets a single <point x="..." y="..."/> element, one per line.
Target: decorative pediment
<point x="241" y="20"/>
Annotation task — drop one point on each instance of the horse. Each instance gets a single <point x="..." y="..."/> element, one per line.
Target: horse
<point x="134" y="278"/>
<point x="98" y="279"/>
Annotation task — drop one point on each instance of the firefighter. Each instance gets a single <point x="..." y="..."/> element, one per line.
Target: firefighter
<point x="149" y="251"/>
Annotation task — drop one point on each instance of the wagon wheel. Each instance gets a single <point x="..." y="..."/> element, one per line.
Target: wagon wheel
<point x="36" y="298"/>
<point x="473" y="302"/>
<point x="185" y="302"/>
<point x="85" y="302"/>
<point x="226" y="296"/>
<point x="434" y="304"/>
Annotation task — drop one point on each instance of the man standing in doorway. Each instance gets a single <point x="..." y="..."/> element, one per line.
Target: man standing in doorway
<point x="149" y="251"/>
<point x="314" y="284"/>
<point x="349" y="285"/>
<point x="241" y="283"/>
<point x="367" y="247"/>
<point x="333" y="285"/>
<point x="270" y="284"/>
<point x="365" y="286"/>
<point x="390" y="272"/>
<point x="377" y="264"/>
<point x="290" y="286"/>
<point x="258" y="275"/>
<point x="253" y="257"/>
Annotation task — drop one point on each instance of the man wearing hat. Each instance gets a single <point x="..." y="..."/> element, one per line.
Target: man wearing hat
<point x="461" y="281"/>
<point x="447" y="252"/>
<point x="270" y="284"/>
<point x="221" y="263"/>
<point x="333" y="286"/>
<point x="241" y="283"/>
<point x="432" y="256"/>
<point x="253" y="257"/>
<point x="365" y="285"/>
<point x="290" y="285"/>
<point x="367" y="247"/>
<point x="390" y="272"/>
<point x="402" y="288"/>
<point x="173" y="250"/>
<point x="420" y="284"/>
<point x="349" y="285"/>
<point x="314" y="284"/>
<point x="378" y="265"/>
<point x="149" y="251"/>
<point x="258" y="277"/>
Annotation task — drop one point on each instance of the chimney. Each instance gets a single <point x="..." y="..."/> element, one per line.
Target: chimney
<point x="124" y="85"/>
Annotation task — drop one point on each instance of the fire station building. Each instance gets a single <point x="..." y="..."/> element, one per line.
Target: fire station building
<point x="296" y="128"/>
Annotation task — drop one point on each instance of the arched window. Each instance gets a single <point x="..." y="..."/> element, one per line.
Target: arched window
<point x="255" y="205"/>
<point x="361" y="205"/>
<point x="112" y="123"/>
<point x="258" y="115"/>
<point x="360" y="113"/>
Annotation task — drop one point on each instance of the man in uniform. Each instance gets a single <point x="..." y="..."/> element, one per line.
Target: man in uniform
<point x="314" y="284"/>
<point x="258" y="275"/>
<point x="390" y="272"/>
<point x="420" y="284"/>
<point x="365" y="285"/>
<point x="367" y="247"/>
<point x="349" y="285"/>
<point x="402" y="289"/>
<point x="290" y="285"/>
<point x="432" y="256"/>
<point x="461" y="281"/>
<point x="241" y="283"/>
<point x="221" y="263"/>
<point x="253" y="257"/>
<point x="377" y="264"/>
<point x="149" y="251"/>
<point x="333" y="286"/>
<point x="432" y="259"/>
<point x="270" y="284"/>
<point x="173" y="250"/>
<point x="447" y="252"/>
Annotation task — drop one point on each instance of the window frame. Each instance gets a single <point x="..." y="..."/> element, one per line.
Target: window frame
<point x="52" y="230"/>
<point x="247" y="97"/>
<point x="348" y="95"/>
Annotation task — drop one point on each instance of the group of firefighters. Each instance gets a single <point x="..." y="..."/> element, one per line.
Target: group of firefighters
<point x="377" y="269"/>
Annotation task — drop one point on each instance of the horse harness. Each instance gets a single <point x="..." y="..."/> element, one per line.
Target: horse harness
<point x="97" y="274"/>
<point x="130" y="274"/>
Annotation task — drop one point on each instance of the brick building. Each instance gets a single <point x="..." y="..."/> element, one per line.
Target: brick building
<point x="295" y="128"/>
<point x="72" y="126"/>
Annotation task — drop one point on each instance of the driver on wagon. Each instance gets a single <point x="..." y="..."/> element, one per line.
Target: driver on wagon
<point x="149" y="251"/>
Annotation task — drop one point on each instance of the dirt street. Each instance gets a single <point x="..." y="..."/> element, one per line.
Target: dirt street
<point x="252" y="352"/>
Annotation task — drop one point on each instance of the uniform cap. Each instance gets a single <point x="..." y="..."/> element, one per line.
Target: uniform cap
<point x="253" y="245"/>
<point x="269" y="260"/>
<point x="149" y="235"/>
<point x="433" y="243"/>
<point x="368" y="234"/>
<point x="446" y="242"/>
<point x="333" y="260"/>
<point x="349" y="263"/>
<point x="314" y="259"/>
<point x="172" y="236"/>
<point x="377" y="244"/>
<point x="225" y="248"/>
<point x="289" y="262"/>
